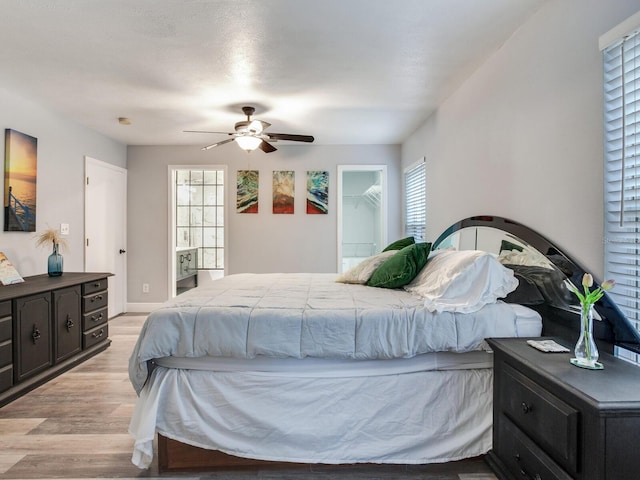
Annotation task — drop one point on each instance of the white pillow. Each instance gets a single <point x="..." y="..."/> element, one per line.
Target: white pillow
<point x="462" y="281"/>
<point x="362" y="272"/>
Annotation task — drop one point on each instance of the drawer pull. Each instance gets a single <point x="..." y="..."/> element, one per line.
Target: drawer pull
<point x="181" y="258"/>
<point x="526" y="408"/>
<point x="97" y="297"/>
<point x="98" y="334"/>
<point x="35" y="334"/>
<point x="97" y="285"/>
<point x="188" y="257"/>
<point x="96" y="319"/>
<point x="523" y="472"/>
<point x="70" y="323"/>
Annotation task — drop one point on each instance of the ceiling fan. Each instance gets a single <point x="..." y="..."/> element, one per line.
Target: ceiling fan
<point x="250" y="134"/>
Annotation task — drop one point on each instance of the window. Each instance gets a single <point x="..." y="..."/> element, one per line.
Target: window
<point x="622" y="175"/>
<point x="415" y="202"/>
<point x="200" y="215"/>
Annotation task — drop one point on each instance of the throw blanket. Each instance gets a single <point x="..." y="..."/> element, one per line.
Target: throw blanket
<point x="307" y="315"/>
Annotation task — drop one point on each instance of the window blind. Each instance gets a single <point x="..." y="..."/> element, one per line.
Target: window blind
<point x="622" y="174"/>
<point x="415" y="215"/>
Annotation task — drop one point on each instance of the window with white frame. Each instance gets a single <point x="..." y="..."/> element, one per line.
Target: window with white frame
<point x="199" y="214"/>
<point x="622" y="175"/>
<point x="415" y="202"/>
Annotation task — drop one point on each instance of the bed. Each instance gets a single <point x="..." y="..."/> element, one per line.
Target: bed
<point x="321" y="368"/>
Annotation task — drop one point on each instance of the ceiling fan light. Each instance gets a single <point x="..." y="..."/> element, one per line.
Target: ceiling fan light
<point x="248" y="142"/>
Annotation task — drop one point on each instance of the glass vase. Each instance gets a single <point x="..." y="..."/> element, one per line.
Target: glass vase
<point x="54" y="266"/>
<point x="586" y="351"/>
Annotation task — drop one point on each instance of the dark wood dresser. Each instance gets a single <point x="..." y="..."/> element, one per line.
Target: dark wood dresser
<point x="47" y="326"/>
<point x="552" y="420"/>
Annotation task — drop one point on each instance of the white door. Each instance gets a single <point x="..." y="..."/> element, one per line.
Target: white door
<point x="105" y="219"/>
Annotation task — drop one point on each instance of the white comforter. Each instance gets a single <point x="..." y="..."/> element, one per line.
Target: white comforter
<point x="307" y="315"/>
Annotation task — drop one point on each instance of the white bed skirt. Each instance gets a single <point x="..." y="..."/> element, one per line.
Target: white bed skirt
<point x="414" y="418"/>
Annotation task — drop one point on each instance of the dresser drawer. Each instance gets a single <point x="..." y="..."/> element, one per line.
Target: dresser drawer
<point x="5" y="329"/>
<point x="521" y="455"/>
<point x="6" y="377"/>
<point x="6" y="353"/>
<point x="94" y="301"/>
<point x="5" y="309"/>
<point x="549" y="421"/>
<point x="94" y="336"/>
<point x="95" y="286"/>
<point x="93" y="319"/>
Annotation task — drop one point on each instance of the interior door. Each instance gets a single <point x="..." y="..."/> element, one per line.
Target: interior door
<point x="105" y="227"/>
<point x="362" y="213"/>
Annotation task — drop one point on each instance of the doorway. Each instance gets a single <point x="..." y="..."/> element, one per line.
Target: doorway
<point x="362" y="213"/>
<point x="198" y="235"/>
<point x="105" y="223"/>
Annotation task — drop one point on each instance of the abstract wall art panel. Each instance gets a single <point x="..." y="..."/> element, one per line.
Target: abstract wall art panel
<point x="283" y="191"/>
<point x="317" y="192"/>
<point x="247" y="191"/>
<point x="20" y="172"/>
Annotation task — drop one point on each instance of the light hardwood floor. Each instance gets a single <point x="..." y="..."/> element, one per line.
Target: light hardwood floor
<point x="75" y="427"/>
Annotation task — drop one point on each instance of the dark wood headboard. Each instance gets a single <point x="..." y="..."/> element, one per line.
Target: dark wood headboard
<point x="559" y="309"/>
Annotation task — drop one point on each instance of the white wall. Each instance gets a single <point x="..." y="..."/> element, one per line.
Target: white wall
<point x="522" y="137"/>
<point x="258" y="243"/>
<point x="62" y="145"/>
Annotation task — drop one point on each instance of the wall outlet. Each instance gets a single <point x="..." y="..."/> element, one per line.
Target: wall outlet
<point x="145" y="288"/>
<point x="64" y="229"/>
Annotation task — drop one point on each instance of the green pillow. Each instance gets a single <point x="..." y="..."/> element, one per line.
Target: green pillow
<point x="399" y="269"/>
<point x="400" y="244"/>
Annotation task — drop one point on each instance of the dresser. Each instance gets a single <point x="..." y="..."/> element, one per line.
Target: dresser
<point x="47" y="326"/>
<point x="552" y="420"/>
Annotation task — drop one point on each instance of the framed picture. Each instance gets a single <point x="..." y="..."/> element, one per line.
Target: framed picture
<point x="317" y="192"/>
<point x="247" y="189"/>
<point x="283" y="191"/>
<point x="20" y="172"/>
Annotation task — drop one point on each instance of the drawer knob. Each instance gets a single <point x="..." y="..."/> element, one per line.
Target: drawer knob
<point x="35" y="334"/>
<point x="96" y="285"/>
<point x="523" y="472"/>
<point x="526" y="408"/>
<point x="70" y="323"/>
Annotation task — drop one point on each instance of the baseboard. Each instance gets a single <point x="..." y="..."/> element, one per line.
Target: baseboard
<point x="142" y="307"/>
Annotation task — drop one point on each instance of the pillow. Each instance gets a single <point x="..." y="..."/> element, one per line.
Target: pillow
<point x="363" y="271"/>
<point x="400" y="244"/>
<point x="401" y="268"/>
<point x="462" y="281"/>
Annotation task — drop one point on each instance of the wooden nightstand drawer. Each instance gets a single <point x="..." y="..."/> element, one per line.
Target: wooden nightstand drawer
<point x="95" y="286"/>
<point x="544" y="417"/>
<point x="94" y="301"/>
<point x="97" y="335"/>
<point x="522" y="455"/>
<point x="93" y="319"/>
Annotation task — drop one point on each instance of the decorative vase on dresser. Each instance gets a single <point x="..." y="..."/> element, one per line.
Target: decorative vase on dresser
<point x="54" y="266"/>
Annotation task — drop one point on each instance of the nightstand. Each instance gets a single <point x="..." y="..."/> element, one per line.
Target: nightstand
<point x="552" y="420"/>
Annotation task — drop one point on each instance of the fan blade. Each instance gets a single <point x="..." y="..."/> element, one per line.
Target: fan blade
<point x="209" y="147"/>
<point x="201" y="131"/>
<point x="288" y="136"/>
<point x="266" y="147"/>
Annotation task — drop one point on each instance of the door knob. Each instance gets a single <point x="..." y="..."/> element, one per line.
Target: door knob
<point x="122" y="251"/>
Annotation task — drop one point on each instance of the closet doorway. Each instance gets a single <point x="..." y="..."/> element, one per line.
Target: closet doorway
<point x="362" y="213"/>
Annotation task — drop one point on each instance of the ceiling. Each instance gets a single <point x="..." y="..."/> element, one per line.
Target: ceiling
<point x="345" y="71"/>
